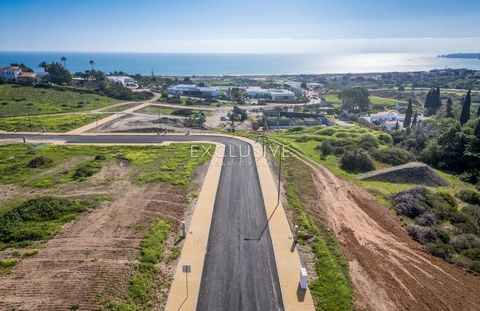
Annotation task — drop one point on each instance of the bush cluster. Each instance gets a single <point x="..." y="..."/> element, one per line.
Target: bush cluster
<point x="469" y="196"/>
<point x="40" y="161"/>
<point x="357" y="160"/>
<point x="38" y="218"/>
<point x="446" y="231"/>
<point x="393" y="156"/>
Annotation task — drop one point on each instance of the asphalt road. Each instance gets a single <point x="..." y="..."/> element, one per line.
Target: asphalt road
<point x="239" y="271"/>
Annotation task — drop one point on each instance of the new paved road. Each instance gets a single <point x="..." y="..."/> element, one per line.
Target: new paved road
<point x="239" y="271"/>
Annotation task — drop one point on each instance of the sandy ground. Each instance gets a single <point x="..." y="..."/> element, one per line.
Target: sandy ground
<point x="96" y="251"/>
<point x="388" y="269"/>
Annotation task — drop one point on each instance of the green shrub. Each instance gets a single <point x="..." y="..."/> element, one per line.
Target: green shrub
<point x="38" y="218"/>
<point x="40" y="161"/>
<point x="100" y="157"/>
<point x="8" y="262"/>
<point x="385" y="139"/>
<point x="368" y="142"/>
<point x="82" y="172"/>
<point x="30" y="252"/>
<point x="326" y="148"/>
<point x="296" y="129"/>
<point x="469" y="196"/>
<point x="357" y="160"/>
<point x="441" y="250"/>
<point x="393" y="156"/>
<point x="465" y="241"/>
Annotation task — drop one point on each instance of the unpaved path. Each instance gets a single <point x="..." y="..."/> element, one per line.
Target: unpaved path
<point x="99" y="249"/>
<point x="388" y="269"/>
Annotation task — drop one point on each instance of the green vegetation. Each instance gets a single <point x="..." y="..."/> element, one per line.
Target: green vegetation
<point x="436" y="222"/>
<point x="57" y="164"/>
<point x="332" y="288"/>
<point x="120" y="107"/>
<point x="6" y="264"/>
<point x="49" y="123"/>
<point x="38" y="219"/>
<point x="16" y="100"/>
<point x="308" y="141"/>
<point x="380" y="103"/>
<point x="145" y="286"/>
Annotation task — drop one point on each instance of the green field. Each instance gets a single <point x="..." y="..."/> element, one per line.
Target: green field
<point x="17" y="100"/>
<point x="20" y="164"/>
<point x="377" y="102"/>
<point x="48" y="123"/>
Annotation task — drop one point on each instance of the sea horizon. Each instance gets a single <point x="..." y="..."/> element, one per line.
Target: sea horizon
<point x="239" y="64"/>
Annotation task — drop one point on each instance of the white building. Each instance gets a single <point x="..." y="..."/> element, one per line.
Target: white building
<point x="123" y="80"/>
<point x="384" y="116"/>
<point x="274" y="94"/>
<point x="193" y="90"/>
<point x="10" y="73"/>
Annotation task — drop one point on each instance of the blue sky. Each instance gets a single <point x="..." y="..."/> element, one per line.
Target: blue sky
<point x="240" y="26"/>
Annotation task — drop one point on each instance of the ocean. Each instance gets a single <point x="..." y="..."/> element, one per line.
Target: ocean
<point x="241" y="64"/>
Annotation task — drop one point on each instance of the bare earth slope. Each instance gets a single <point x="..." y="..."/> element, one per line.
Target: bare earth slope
<point x="389" y="270"/>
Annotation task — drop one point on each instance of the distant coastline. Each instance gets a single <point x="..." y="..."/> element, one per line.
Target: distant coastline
<point x="178" y="64"/>
<point x="462" y="55"/>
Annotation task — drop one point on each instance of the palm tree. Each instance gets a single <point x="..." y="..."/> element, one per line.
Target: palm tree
<point x="63" y="59"/>
<point x="43" y="65"/>
<point x="91" y="62"/>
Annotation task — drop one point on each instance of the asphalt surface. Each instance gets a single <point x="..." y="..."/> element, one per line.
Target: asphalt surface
<point x="239" y="271"/>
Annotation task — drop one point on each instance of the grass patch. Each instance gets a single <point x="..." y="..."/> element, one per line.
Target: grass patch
<point x="121" y="107"/>
<point x="145" y="285"/>
<point x="7" y="264"/>
<point x="380" y="103"/>
<point x="49" y="123"/>
<point x="17" y="100"/>
<point x="332" y="288"/>
<point x="60" y="164"/>
<point x="38" y="219"/>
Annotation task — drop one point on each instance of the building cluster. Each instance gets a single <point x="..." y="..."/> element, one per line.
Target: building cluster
<point x="15" y="74"/>
<point x="123" y="80"/>
<point x="390" y="119"/>
<point x="214" y="91"/>
<point x="193" y="90"/>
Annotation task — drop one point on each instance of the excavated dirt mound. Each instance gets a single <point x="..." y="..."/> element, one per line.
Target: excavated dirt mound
<point x="410" y="173"/>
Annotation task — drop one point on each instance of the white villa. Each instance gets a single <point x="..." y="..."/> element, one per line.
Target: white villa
<point x="123" y="80"/>
<point x="388" y="119"/>
<point x="10" y="73"/>
<point x="192" y="89"/>
<point x="274" y="94"/>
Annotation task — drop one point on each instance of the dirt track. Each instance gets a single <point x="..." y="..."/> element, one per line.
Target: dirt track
<point x="95" y="252"/>
<point x="388" y="269"/>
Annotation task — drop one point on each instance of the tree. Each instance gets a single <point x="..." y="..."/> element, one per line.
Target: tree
<point x="355" y="99"/>
<point x="432" y="101"/>
<point x="57" y="74"/>
<point x="449" y="109"/>
<point x="414" y="121"/>
<point x="63" y="59"/>
<point x="92" y="63"/>
<point x="408" y="115"/>
<point x="465" y="114"/>
<point x="43" y="65"/>
<point x="303" y="85"/>
<point x="478" y="111"/>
